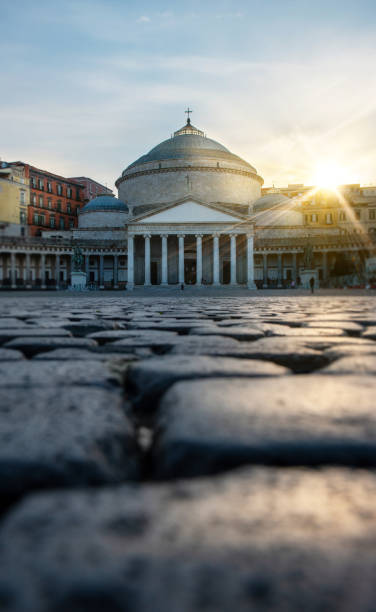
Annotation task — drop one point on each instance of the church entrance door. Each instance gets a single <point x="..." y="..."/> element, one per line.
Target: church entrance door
<point x="190" y="272"/>
<point x="226" y="272"/>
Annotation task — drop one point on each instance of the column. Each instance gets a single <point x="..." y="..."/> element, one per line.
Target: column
<point x="43" y="270"/>
<point x="198" y="259"/>
<point x="130" y="281"/>
<point x="325" y="266"/>
<point x="13" y="271"/>
<point x="28" y="271"/>
<point x="294" y="269"/>
<point x="147" y="282"/>
<point x="181" y="259"/>
<point x="233" y="260"/>
<point x="87" y="263"/>
<point x="279" y="285"/>
<point x="215" y="259"/>
<point x="265" y="270"/>
<point x="164" y="279"/>
<point x="101" y="272"/>
<point x="69" y="274"/>
<point x="57" y="270"/>
<point x="250" y="264"/>
<point x="116" y="267"/>
<point x="3" y="269"/>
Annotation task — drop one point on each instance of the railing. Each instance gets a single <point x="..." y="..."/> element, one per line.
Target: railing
<point x="340" y="241"/>
<point x="19" y="241"/>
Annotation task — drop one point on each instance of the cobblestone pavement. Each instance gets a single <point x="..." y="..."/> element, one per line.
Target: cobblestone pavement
<point x="200" y="453"/>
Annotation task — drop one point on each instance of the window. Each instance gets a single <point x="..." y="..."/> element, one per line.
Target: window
<point x="69" y="208"/>
<point x="69" y="192"/>
<point x="59" y="189"/>
<point x="40" y="184"/>
<point x="59" y="205"/>
<point x="34" y="198"/>
<point x="342" y="216"/>
<point x="357" y="214"/>
<point x="36" y="219"/>
<point x="33" y="182"/>
<point x="49" y="187"/>
<point x="22" y="217"/>
<point x="49" y="203"/>
<point x="328" y="218"/>
<point x="78" y="195"/>
<point x="372" y="213"/>
<point x="22" y="197"/>
<point x="41" y="201"/>
<point x="52" y="221"/>
<point x="61" y="223"/>
<point x="314" y="218"/>
<point x="71" y="222"/>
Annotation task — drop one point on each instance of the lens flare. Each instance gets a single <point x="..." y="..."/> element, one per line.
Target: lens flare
<point x="329" y="174"/>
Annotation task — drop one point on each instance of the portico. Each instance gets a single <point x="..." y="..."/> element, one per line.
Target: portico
<point x="190" y="242"/>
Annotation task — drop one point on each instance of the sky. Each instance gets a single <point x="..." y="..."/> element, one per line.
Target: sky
<point x="88" y="86"/>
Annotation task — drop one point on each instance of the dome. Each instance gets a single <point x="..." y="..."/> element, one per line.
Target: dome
<point x="271" y="200"/>
<point x="188" y="164"/>
<point x="275" y="209"/>
<point x="105" y="202"/>
<point x="189" y="143"/>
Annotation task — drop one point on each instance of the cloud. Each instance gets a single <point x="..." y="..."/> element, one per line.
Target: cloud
<point x="143" y="19"/>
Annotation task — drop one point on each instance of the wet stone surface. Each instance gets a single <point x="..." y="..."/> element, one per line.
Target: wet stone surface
<point x="198" y="453"/>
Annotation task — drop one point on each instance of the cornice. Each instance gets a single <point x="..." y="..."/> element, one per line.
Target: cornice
<point x="245" y="173"/>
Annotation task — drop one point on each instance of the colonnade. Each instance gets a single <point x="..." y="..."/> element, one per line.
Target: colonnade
<point x="35" y="268"/>
<point x="17" y="266"/>
<point x="199" y="259"/>
<point x="294" y="267"/>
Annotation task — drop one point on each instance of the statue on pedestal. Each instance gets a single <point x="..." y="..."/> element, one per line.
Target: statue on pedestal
<point x="308" y="256"/>
<point x="78" y="259"/>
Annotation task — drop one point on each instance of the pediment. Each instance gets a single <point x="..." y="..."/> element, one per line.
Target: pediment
<point x="190" y="211"/>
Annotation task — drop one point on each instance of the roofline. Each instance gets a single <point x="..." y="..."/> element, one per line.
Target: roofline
<point x="87" y="178"/>
<point x="46" y="172"/>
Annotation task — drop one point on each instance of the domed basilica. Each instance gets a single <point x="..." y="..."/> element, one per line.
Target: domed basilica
<point x="187" y="212"/>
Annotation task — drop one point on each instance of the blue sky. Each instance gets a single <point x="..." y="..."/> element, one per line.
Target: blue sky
<point x="89" y="86"/>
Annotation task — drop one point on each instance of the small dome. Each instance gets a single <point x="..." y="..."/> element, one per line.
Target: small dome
<point x="275" y="209"/>
<point x="106" y="202"/>
<point x="271" y="200"/>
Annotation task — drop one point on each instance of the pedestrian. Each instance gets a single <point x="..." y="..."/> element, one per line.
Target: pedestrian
<point x="182" y="286"/>
<point x="312" y="283"/>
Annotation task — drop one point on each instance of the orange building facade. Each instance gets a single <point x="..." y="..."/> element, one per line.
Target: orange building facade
<point x="54" y="201"/>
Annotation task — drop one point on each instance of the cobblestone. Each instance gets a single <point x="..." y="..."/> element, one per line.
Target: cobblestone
<point x="32" y="346"/>
<point x="211" y="453"/>
<point x="258" y="539"/>
<point x="50" y="438"/>
<point x="204" y="427"/>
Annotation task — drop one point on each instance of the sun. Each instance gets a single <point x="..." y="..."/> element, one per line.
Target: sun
<point x="329" y="174"/>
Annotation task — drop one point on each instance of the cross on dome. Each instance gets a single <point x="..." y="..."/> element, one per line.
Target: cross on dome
<point x="188" y="111"/>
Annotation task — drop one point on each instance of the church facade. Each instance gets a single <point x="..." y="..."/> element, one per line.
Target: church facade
<point x="188" y="212"/>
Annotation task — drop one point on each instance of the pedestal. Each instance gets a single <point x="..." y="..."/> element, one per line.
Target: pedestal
<point x="78" y="280"/>
<point x="306" y="275"/>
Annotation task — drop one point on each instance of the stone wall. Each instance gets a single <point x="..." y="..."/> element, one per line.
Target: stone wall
<point x="206" y="185"/>
<point x="102" y="218"/>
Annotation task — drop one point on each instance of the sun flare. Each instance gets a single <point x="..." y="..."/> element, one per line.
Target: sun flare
<point x="329" y="175"/>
